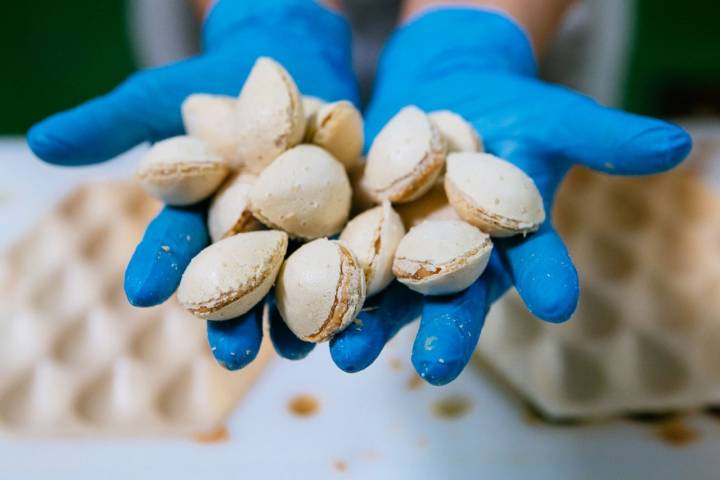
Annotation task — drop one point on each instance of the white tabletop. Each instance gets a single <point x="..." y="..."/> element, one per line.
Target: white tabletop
<point x="375" y="424"/>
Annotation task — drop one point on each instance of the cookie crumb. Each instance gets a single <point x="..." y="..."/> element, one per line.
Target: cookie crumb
<point x="372" y="455"/>
<point x="219" y="435"/>
<point x="676" y="433"/>
<point x="340" y="466"/>
<point x="303" y="405"/>
<point x="451" y="407"/>
<point x="414" y="382"/>
<point x="396" y="363"/>
<point x="165" y="248"/>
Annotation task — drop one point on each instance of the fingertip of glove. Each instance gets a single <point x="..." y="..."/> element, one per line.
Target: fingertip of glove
<point x="356" y="348"/>
<point x="298" y="353"/>
<point x="148" y="282"/>
<point x="46" y="146"/>
<point x="353" y="357"/>
<point x="439" y="356"/>
<point x="138" y="296"/>
<point x="286" y="344"/>
<point x="291" y="349"/>
<point x="143" y="288"/>
<point x="436" y="373"/>
<point x="555" y="299"/>
<point x="348" y="360"/>
<point x="232" y="361"/>
<point x="544" y="274"/>
<point x="658" y="147"/>
<point x="235" y="343"/>
<point x="677" y="146"/>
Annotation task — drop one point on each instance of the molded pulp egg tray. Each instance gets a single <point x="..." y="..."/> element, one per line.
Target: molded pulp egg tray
<point x="76" y="358"/>
<point x="646" y="335"/>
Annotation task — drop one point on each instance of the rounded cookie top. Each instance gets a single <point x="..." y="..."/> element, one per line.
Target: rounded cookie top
<point x="493" y="194"/>
<point x="269" y="115"/>
<point x="231" y="276"/>
<point x="305" y="192"/>
<point x="320" y="290"/>
<point x="373" y="237"/>
<point x="405" y="159"/>
<point x="441" y="256"/>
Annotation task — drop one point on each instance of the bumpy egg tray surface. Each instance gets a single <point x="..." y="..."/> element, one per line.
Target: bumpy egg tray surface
<point x="646" y="335"/>
<point x="76" y="358"/>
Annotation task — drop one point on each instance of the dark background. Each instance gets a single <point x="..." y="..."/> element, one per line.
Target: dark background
<point x="57" y="54"/>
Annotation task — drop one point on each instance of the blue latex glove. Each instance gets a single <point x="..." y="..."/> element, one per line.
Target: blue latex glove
<point x="312" y="43"/>
<point x="480" y="64"/>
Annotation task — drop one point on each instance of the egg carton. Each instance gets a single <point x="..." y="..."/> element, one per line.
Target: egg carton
<point x="76" y="358"/>
<point x="646" y="335"/>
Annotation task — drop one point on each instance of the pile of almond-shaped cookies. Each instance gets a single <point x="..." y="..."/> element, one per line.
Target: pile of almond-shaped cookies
<point x="284" y="167"/>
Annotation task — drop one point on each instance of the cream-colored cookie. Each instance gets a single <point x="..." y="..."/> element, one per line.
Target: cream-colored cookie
<point x="269" y="115"/>
<point x="492" y="194"/>
<point x="212" y="118"/>
<point x="439" y="257"/>
<point x="459" y="134"/>
<point x="320" y="290"/>
<point x="304" y="192"/>
<point x="231" y="276"/>
<point x="373" y="237"/>
<point x="338" y="128"/>
<point x="229" y="211"/>
<point x="181" y="170"/>
<point x="433" y="205"/>
<point x="405" y="159"/>
<point x="361" y="198"/>
<point x="311" y="105"/>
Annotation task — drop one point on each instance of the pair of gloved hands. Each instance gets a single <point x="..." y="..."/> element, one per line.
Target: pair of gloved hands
<point x="474" y="62"/>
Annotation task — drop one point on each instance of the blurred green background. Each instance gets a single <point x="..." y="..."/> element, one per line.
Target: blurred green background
<point x="58" y="54"/>
<point x="674" y="62"/>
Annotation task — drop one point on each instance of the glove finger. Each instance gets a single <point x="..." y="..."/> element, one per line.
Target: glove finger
<point x="449" y="331"/>
<point x="617" y="142"/>
<point x="543" y="273"/>
<point x="357" y="347"/>
<point x="235" y="343"/>
<point x="171" y="240"/>
<point x="146" y="107"/>
<point x="286" y="344"/>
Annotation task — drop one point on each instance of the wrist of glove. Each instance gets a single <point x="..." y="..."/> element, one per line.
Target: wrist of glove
<point x="313" y="43"/>
<point x="469" y="40"/>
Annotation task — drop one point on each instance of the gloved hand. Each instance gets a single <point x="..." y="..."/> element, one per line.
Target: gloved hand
<point x="312" y="43"/>
<point x="480" y="64"/>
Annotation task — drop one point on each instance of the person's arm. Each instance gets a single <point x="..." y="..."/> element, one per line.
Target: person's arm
<point x="541" y="18"/>
<point x="201" y="7"/>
